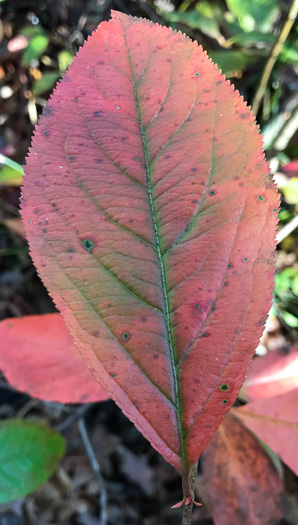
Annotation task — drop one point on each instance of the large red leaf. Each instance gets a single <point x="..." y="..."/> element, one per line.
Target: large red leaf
<point x="275" y="373"/>
<point x="240" y="479"/>
<point x="275" y="421"/>
<point x="151" y="218"/>
<point x="38" y="357"/>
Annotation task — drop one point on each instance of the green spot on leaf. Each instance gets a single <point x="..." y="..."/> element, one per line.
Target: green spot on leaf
<point x="197" y="74"/>
<point x="212" y="192"/>
<point x="224" y="401"/>
<point x="261" y="198"/>
<point x="224" y="387"/>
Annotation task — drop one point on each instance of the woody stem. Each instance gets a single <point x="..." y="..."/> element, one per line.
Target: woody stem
<point x="187" y="509"/>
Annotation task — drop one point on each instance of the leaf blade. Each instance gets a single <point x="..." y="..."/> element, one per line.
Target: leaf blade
<point x="240" y="479"/>
<point x="274" y="420"/>
<point x="43" y="345"/>
<point x="156" y="199"/>
<point x="29" y="454"/>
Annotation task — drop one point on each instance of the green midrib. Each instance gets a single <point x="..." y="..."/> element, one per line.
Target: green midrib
<point x="174" y="362"/>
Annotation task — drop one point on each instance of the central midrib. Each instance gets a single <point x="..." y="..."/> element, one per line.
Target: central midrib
<point x="177" y="388"/>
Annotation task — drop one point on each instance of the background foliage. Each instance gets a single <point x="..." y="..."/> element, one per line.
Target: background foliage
<point x="38" y="40"/>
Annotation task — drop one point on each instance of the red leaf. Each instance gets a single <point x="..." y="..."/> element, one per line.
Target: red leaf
<point x="240" y="479"/>
<point x="275" y="421"/>
<point x="151" y="219"/>
<point x="275" y="373"/>
<point x="38" y="357"/>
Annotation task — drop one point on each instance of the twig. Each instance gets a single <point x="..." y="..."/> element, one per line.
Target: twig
<point x="32" y="403"/>
<point x="287" y="229"/>
<point x="74" y="416"/>
<point x="96" y="469"/>
<point x="287" y="132"/>
<point x="273" y="56"/>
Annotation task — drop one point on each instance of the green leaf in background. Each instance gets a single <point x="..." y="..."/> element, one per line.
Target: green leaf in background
<point x="252" y="38"/>
<point x="204" y="18"/>
<point x="231" y="61"/>
<point x="30" y="452"/>
<point x="11" y="172"/>
<point x="46" y="82"/>
<point x="65" y="58"/>
<point x="254" y="14"/>
<point x="290" y="190"/>
<point x="35" y="48"/>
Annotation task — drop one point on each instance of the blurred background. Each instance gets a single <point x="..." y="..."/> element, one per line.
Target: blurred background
<point x="38" y="40"/>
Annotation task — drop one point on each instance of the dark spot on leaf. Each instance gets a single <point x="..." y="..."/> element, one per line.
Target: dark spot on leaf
<point x="230" y="265"/>
<point x="224" y="401"/>
<point x="197" y="74"/>
<point x="224" y="387"/>
<point x="70" y="250"/>
<point x="275" y="209"/>
<point x="112" y="375"/>
<point x="205" y="334"/>
<point x="96" y="334"/>
<point x="125" y="336"/>
<point x="261" y="198"/>
<point x="97" y="114"/>
<point x="194" y="169"/>
<point x="138" y="159"/>
<point x="212" y="192"/>
<point x="130" y="220"/>
<point x="144" y="319"/>
<point x="245" y="259"/>
<point x="155" y="356"/>
<point x="194" y="201"/>
<point x="99" y="161"/>
<point x="88" y="244"/>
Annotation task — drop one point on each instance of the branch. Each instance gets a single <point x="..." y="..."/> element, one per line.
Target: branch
<point x="273" y="56"/>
